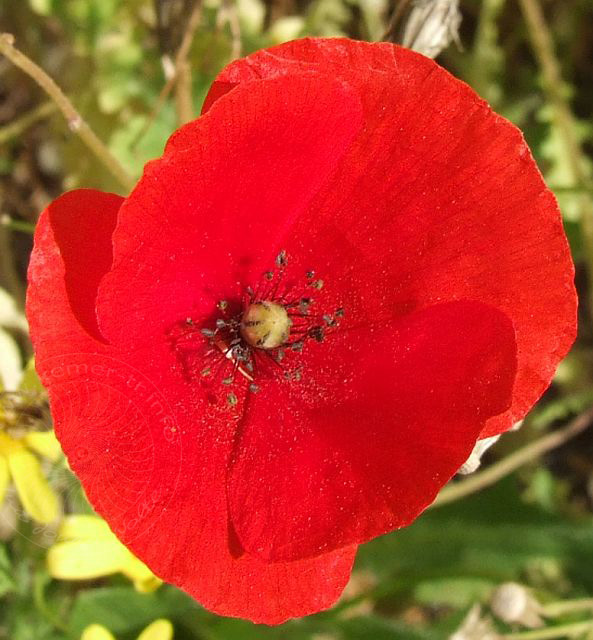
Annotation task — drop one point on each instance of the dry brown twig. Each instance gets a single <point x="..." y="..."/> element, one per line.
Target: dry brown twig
<point x="73" y="118"/>
<point x="228" y="14"/>
<point x="183" y="99"/>
<point x="182" y="75"/>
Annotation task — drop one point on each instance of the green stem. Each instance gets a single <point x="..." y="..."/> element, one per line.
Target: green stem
<point x="42" y="606"/>
<point x="572" y="190"/>
<point x="504" y="467"/>
<point x="20" y="125"/>
<point x="573" y="630"/>
<point x="16" y="225"/>
<point x="556" y="609"/>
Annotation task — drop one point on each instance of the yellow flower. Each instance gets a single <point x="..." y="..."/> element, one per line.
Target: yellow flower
<point x="88" y="549"/>
<point x="158" y="630"/>
<point x="18" y="462"/>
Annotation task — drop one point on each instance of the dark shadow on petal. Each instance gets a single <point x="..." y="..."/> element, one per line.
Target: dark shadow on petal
<point x="83" y="222"/>
<point x="235" y="548"/>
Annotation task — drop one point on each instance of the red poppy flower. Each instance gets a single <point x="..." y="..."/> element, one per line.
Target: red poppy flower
<point x="292" y="332"/>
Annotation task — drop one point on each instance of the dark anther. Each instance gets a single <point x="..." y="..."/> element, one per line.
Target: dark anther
<point x="317" y="333"/>
<point x="230" y="337"/>
<point x="297" y="374"/>
<point x="232" y="399"/>
<point x="304" y="305"/>
<point x="317" y="284"/>
<point x="281" y="259"/>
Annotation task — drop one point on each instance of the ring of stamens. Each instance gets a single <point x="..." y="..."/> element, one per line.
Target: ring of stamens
<point x="273" y="323"/>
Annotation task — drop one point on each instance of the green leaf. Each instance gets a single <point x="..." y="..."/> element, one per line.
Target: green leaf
<point x="485" y="65"/>
<point x="453" y="592"/>
<point x="43" y="7"/>
<point x="123" y="610"/>
<point x="7" y="584"/>
<point x="30" y="380"/>
<point x="376" y="628"/>
<point x="492" y="536"/>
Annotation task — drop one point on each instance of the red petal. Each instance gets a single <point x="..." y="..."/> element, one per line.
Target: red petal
<point x="406" y="215"/>
<point x="74" y="230"/>
<point x="207" y="217"/>
<point x="156" y="473"/>
<point x="442" y="195"/>
<point x="379" y="422"/>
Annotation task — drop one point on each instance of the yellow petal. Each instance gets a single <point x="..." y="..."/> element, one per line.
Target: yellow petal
<point x="148" y="584"/>
<point x="85" y="527"/>
<point x="4" y="478"/>
<point x="45" y="444"/>
<point x="143" y="578"/>
<point x="96" y="632"/>
<point x="85" y="559"/>
<point x="9" y="445"/>
<point x="35" y="494"/>
<point x="158" y="630"/>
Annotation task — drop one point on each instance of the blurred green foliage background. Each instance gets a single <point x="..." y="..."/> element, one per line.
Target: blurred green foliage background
<point x="112" y="58"/>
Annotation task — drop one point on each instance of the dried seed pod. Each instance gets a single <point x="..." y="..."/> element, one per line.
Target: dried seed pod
<point x="514" y="604"/>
